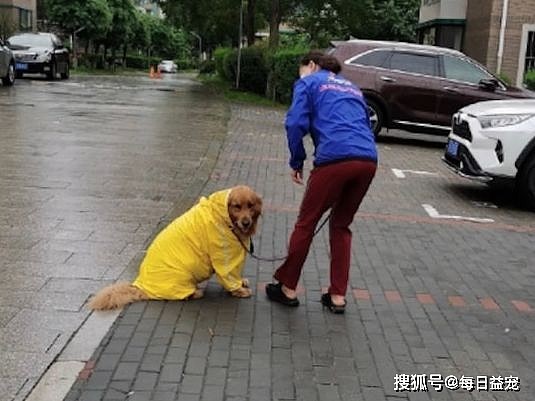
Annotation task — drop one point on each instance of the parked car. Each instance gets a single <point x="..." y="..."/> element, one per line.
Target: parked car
<point x="168" y="66"/>
<point x="7" y="65"/>
<point x="494" y="141"/>
<point x="417" y="87"/>
<point x="40" y="53"/>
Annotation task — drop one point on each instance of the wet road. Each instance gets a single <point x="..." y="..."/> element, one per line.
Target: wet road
<point x="89" y="169"/>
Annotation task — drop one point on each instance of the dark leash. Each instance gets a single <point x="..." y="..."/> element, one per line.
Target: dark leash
<point x="250" y="251"/>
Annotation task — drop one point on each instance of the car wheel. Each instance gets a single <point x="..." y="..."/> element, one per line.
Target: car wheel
<point x="526" y="183"/>
<point x="9" y="79"/>
<point x="377" y="118"/>
<point x="53" y="71"/>
<point x="67" y="73"/>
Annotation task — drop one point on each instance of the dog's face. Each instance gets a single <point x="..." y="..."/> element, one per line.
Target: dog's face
<point x="244" y="208"/>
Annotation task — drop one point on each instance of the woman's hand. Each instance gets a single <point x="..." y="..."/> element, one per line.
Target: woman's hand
<point x="297" y="176"/>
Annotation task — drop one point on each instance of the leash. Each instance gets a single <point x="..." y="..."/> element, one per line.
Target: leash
<point x="250" y="251"/>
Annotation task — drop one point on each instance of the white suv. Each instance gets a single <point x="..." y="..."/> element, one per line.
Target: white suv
<point x="494" y="141"/>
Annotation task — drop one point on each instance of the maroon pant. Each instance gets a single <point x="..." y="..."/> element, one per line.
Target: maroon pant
<point x="341" y="187"/>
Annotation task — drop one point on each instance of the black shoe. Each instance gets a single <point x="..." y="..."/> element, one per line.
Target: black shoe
<point x="274" y="293"/>
<point x="327" y="302"/>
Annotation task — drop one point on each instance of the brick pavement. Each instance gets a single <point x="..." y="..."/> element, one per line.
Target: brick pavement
<point x="427" y="296"/>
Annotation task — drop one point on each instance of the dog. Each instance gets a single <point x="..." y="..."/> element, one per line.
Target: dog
<point x="211" y="238"/>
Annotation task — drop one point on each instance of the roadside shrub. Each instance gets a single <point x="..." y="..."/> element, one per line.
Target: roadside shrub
<point x="220" y="55"/>
<point x="92" y="61"/>
<point x="207" y="67"/>
<point x="529" y="79"/>
<point x="185" y="64"/>
<point x="284" y="71"/>
<point x="140" y="62"/>
<point x="253" y="68"/>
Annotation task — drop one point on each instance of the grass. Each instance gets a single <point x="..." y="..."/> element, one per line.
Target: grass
<point x="226" y="89"/>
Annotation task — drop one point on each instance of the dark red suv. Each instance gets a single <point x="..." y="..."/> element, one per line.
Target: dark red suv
<point x="417" y="87"/>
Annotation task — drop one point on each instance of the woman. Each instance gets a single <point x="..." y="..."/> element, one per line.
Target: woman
<point x="334" y="112"/>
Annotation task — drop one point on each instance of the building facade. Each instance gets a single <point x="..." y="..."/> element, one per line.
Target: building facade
<point x="18" y="15"/>
<point x="149" y="7"/>
<point x="497" y="33"/>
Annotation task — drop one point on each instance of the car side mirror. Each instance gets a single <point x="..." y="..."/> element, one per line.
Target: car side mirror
<point x="489" y="85"/>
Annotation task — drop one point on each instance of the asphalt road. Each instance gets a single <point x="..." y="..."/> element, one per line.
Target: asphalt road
<point x="89" y="168"/>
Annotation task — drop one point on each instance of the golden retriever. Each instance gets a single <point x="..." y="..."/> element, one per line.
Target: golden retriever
<point x="208" y="239"/>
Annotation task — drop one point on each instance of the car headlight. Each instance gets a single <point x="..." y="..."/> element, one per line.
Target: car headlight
<point x="505" y="120"/>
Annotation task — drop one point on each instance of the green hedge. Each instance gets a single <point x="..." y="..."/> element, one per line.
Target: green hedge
<point x="253" y="69"/>
<point x="262" y="72"/>
<point x="140" y="62"/>
<point x="284" y="71"/>
<point x="220" y="59"/>
<point x="529" y="78"/>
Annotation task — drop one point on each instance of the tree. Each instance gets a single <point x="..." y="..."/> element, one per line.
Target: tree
<point x="123" y="22"/>
<point x="396" y="19"/>
<point x="93" y="16"/>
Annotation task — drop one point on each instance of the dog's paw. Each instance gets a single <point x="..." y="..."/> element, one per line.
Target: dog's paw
<point x="242" y="292"/>
<point x="198" y="294"/>
<point x="245" y="282"/>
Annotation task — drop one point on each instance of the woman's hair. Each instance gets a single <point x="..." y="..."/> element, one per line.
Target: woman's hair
<point x="325" y="61"/>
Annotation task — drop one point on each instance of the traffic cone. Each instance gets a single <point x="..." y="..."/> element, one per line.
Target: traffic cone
<point x="151" y="72"/>
<point x="158" y="73"/>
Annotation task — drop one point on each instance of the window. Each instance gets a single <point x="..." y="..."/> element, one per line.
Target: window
<point x="530" y="52"/>
<point x="463" y="70"/>
<point x="25" y="20"/>
<point x="375" y="58"/>
<point x="415" y="63"/>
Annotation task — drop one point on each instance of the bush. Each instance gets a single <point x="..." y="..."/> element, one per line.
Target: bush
<point x="253" y="69"/>
<point x="185" y="64"/>
<point x="284" y="71"/>
<point x="140" y="62"/>
<point x="220" y="55"/>
<point x="207" y="67"/>
<point x="92" y="61"/>
<point x="529" y="79"/>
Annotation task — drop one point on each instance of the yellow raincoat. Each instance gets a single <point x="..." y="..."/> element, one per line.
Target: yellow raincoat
<point x="192" y="248"/>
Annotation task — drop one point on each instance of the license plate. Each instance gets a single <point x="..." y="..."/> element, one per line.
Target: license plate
<point x="21" y="66"/>
<point x="452" y="148"/>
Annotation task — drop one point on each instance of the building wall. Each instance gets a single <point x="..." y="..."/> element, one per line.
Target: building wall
<point x="442" y="9"/>
<point x="14" y="7"/>
<point x="521" y="12"/>
<point x="482" y="33"/>
<point x="477" y="31"/>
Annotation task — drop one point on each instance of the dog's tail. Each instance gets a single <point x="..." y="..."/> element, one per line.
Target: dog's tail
<point x="116" y="296"/>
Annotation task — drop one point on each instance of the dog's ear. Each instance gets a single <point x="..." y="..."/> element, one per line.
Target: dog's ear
<point x="258" y="204"/>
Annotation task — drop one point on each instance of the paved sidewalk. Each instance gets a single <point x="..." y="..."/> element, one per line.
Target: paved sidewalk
<point x="428" y="296"/>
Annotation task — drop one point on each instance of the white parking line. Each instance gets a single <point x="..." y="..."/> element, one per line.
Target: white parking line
<point x="401" y="173"/>
<point x="433" y="213"/>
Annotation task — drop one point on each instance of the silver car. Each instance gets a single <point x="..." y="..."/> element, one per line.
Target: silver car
<point x="168" y="66"/>
<point x="7" y="65"/>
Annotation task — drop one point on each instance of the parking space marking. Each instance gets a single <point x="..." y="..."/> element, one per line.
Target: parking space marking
<point x="433" y="213"/>
<point x="401" y="173"/>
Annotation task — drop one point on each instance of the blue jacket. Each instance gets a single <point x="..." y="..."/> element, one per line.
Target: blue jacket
<point x="334" y="112"/>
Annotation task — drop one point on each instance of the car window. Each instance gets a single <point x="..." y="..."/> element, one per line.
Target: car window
<point x="415" y="63"/>
<point x="375" y="58"/>
<point x="463" y="70"/>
